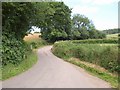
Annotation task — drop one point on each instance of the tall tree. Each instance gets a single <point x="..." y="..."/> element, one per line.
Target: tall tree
<point x="85" y="27"/>
<point x="17" y="17"/>
<point x="58" y="22"/>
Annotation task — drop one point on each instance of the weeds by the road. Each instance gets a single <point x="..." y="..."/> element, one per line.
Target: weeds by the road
<point x="104" y="55"/>
<point x="11" y="70"/>
<point x="100" y="54"/>
<point x="35" y="41"/>
<point x="103" y="74"/>
<point x="113" y="36"/>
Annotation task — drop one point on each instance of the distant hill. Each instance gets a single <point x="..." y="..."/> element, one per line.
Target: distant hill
<point x="111" y="31"/>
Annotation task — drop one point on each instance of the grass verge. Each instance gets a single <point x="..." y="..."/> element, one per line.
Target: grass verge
<point x="11" y="70"/>
<point x="103" y="56"/>
<point x="110" y="78"/>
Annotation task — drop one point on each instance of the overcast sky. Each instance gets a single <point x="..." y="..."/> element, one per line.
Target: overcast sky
<point x="103" y="13"/>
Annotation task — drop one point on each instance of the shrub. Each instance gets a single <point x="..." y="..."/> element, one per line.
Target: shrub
<point x="105" y="55"/>
<point x="13" y="50"/>
<point x="99" y="41"/>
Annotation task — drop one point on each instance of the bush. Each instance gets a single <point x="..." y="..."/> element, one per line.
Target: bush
<point x="13" y="50"/>
<point x="16" y="20"/>
<point x="36" y="43"/>
<point x="98" y="41"/>
<point x="33" y="44"/>
<point x="105" y="55"/>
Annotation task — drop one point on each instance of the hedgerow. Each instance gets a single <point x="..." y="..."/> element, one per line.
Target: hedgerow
<point x="98" y="41"/>
<point x="13" y="50"/>
<point x="16" y="20"/>
<point x="105" y="55"/>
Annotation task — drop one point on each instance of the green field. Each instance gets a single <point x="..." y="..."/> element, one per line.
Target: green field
<point x="34" y="40"/>
<point x="112" y="36"/>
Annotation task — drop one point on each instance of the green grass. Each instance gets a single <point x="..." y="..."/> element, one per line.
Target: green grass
<point x="96" y="41"/>
<point x="1" y="73"/>
<point x="112" y="79"/>
<point x="37" y="43"/>
<point x="112" y="36"/>
<point x="11" y="70"/>
<point x="103" y="55"/>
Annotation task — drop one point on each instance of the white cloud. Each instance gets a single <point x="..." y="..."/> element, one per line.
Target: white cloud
<point x="86" y="1"/>
<point x="100" y="25"/>
<point x="100" y="2"/>
<point x="84" y="9"/>
<point x="89" y="2"/>
<point x="95" y="11"/>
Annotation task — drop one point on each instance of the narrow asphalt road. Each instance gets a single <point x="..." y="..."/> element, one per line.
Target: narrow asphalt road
<point x="52" y="72"/>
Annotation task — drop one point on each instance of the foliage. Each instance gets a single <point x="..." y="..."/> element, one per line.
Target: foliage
<point x="96" y="41"/>
<point x="13" y="51"/>
<point x="16" y="20"/>
<point x="17" y="17"/>
<point x="105" y="75"/>
<point x="83" y="28"/>
<point x="37" y="43"/>
<point x="35" y="40"/>
<point x="111" y="31"/>
<point x="52" y="17"/>
<point x="113" y="36"/>
<point x="57" y="22"/>
<point x="105" y="55"/>
<point x="11" y="70"/>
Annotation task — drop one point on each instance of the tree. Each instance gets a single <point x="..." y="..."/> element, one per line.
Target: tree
<point x="76" y="35"/>
<point x="111" y="31"/>
<point x="17" y="18"/>
<point x="85" y="27"/>
<point x="80" y="21"/>
<point x="57" y="22"/>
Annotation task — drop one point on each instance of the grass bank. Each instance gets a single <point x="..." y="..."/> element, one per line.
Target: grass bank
<point x="96" y="71"/>
<point x="102" y="55"/>
<point x="11" y="70"/>
<point x="34" y="42"/>
<point x="113" y="36"/>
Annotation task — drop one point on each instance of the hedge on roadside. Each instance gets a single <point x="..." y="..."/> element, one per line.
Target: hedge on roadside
<point x="13" y="50"/>
<point x="100" y="41"/>
<point x="105" y="55"/>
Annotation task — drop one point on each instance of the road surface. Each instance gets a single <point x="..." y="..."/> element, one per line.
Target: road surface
<point x="52" y="72"/>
